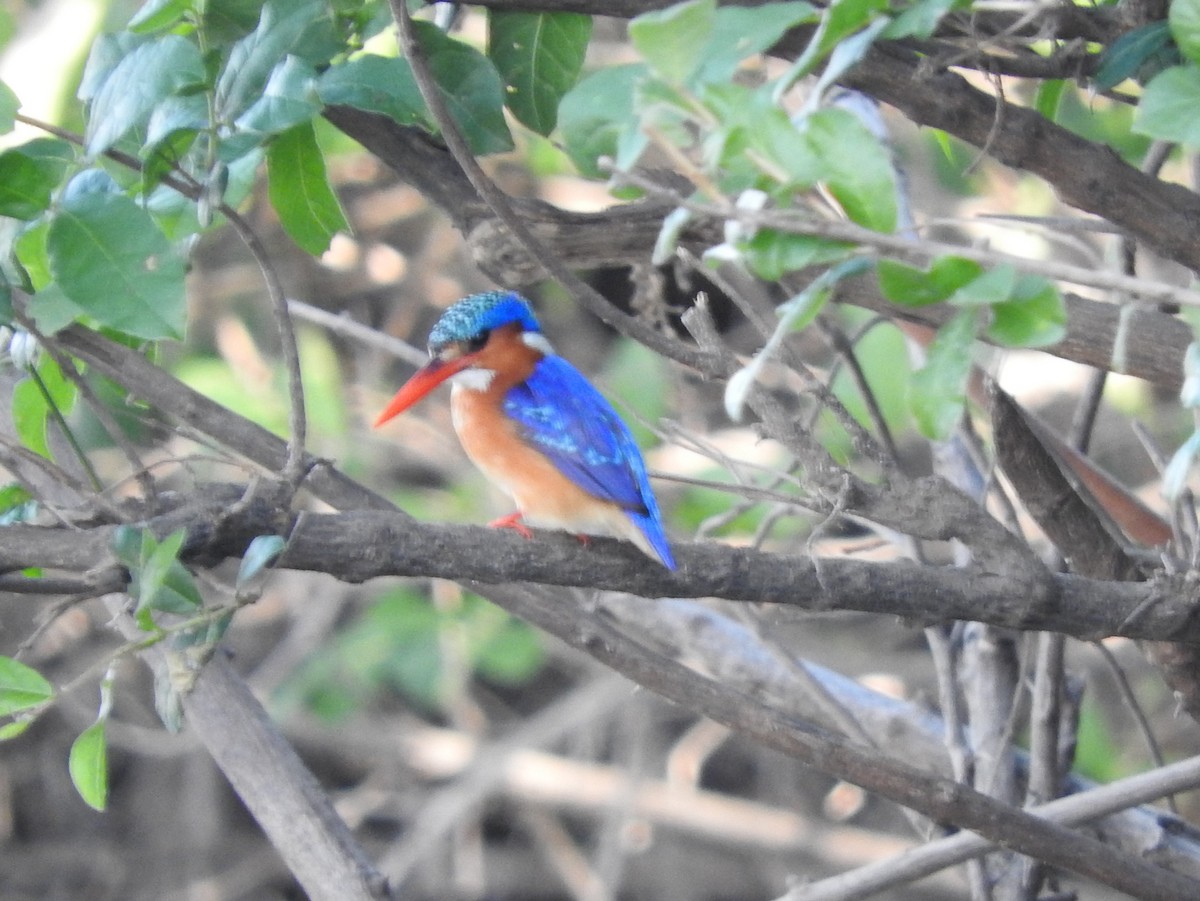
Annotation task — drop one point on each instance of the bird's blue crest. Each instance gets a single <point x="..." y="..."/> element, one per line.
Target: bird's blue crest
<point x="480" y="313"/>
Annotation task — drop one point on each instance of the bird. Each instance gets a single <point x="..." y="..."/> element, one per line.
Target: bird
<point x="536" y="427"/>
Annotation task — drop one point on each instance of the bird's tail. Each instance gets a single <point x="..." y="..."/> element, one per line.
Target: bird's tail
<point x="654" y="540"/>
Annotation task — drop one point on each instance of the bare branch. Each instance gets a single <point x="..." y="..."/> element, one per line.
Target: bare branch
<point x="362" y="545"/>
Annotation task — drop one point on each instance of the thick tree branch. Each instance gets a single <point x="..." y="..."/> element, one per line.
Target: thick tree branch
<point x="941" y="799"/>
<point x="363" y="545"/>
<point x="280" y="791"/>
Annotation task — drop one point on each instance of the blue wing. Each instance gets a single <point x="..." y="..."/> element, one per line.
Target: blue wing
<point x="568" y="420"/>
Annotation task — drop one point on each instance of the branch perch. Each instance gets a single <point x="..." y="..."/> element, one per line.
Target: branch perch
<point x="360" y="545"/>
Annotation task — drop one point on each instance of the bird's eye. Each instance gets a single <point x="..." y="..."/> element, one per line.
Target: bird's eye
<point x="477" y="342"/>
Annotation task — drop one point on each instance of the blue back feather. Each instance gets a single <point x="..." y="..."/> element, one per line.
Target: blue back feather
<point x="568" y="420"/>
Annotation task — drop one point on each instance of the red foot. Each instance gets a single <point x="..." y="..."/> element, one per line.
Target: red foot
<point x="512" y="521"/>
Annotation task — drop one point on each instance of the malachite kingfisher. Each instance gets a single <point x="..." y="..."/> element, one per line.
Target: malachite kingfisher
<point x="536" y="427"/>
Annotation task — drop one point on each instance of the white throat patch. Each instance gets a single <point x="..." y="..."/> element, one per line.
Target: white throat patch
<point x="473" y="379"/>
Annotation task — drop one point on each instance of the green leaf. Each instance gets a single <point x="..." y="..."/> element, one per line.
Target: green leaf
<point x="300" y="191"/>
<point x="992" y="287"/>
<point x="89" y="766"/>
<point x="17" y="504"/>
<point x="669" y="39"/>
<point x="52" y="310"/>
<point x="163" y="583"/>
<point x="226" y="21"/>
<point x="11" y="730"/>
<point x="110" y="258"/>
<point x="845" y="56"/>
<point x="177" y="593"/>
<point x="302" y="28"/>
<point x="1184" y="19"/>
<point x="7" y="312"/>
<point x="137" y="84"/>
<point x="154" y="559"/>
<point x="911" y="287"/>
<point x="289" y="99"/>
<point x="172" y="116"/>
<point x="21" y="687"/>
<point x="772" y="254"/>
<point x="126" y="544"/>
<point x="857" y="168"/>
<point x="755" y="137"/>
<point x="842" y="18"/>
<point x="158" y="15"/>
<point x="939" y="388"/>
<point x="26" y="183"/>
<point x="158" y="580"/>
<point x="29" y="251"/>
<point x="50" y="151"/>
<point x="108" y="50"/>
<point x="596" y="112"/>
<point x="920" y="19"/>
<point x="1034" y="316"/>
<point x="665" y="106"/>
<point x="539" y="57"/>
<point x="800" y="311"/>
<point x="471" y="88"/>
<point x="377" y="84"/>
<point x="9" y="104"/>
<point x="260" y="554"/>
<point x="883" y="357"/>
<point x="1139" y="53"/>
<point x="31" y="409"/>
<point x="741" y="32"/>
<point x="1170" y="106"/>
<point x="1048" y="97"/>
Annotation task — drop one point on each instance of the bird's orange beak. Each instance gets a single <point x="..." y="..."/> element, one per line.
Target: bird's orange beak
<point x="422" y="382"/>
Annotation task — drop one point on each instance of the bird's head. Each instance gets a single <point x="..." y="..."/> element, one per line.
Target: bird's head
<point x="477" y="338"/>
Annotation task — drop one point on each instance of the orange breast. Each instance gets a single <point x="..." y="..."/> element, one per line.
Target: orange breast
<point x="526" y="475"/>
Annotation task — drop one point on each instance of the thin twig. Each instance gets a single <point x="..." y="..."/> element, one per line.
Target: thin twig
<point x="342" y="324"/>
<point x="1130" y="698"/>
<point x="16" y="457"/>
<point x="1074" y="810"/>
<point x="99" y="410"/>
<point x="863" y="440"/>
<point x="294" y="468"/>
<point x="846" y="352"/>
<point x="919" y="252"/>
